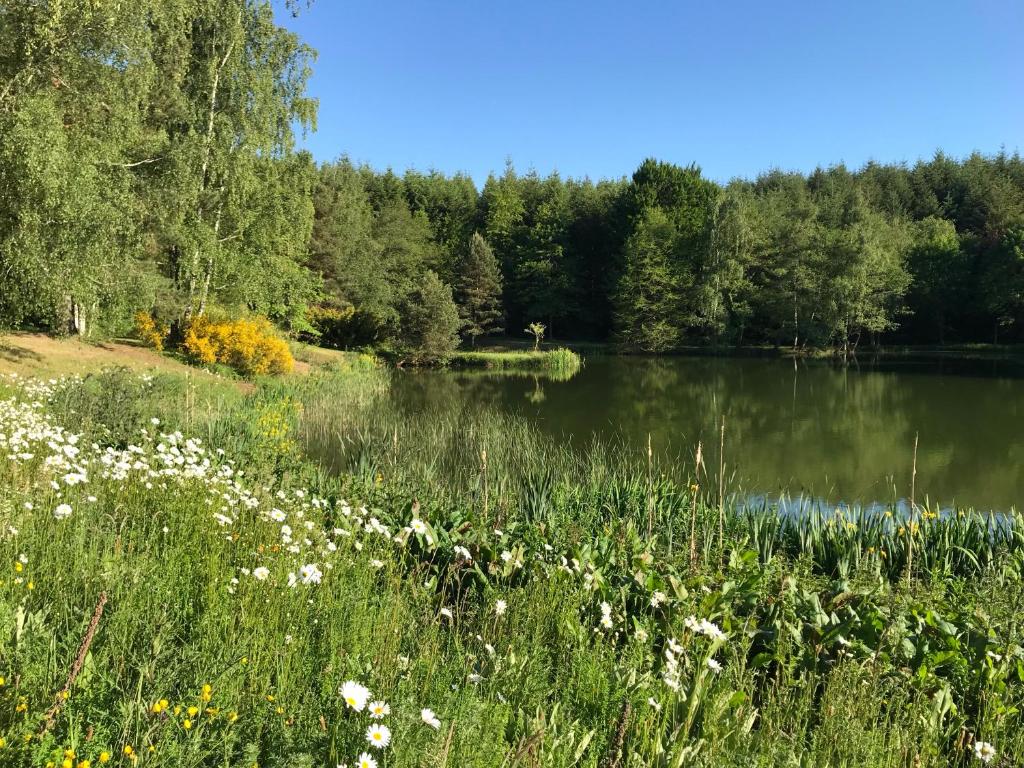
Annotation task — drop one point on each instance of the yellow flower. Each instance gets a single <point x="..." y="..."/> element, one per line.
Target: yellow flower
<point x="186" y="724"/>
<point x="104" y="756"/>
<point x="67" y="763"/>
<point x="84" y="764"/>
<point x="192" y="711"/>
<point x="128" y="751"/>
<point x="207" y="693"/>
<point x="19" y="567"/>
<point x="3" y="742"/>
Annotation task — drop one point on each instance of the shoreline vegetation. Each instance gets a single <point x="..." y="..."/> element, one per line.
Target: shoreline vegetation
<point x="266" y="553"/>
<point x="559" y="360"/>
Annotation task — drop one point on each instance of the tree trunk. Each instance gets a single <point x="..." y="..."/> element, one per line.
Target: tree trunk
<point x="76" y="318"/>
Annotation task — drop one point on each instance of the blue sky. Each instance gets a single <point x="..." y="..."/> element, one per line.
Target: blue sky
<point x="592" y="88"/>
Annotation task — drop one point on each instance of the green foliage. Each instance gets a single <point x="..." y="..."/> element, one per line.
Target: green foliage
<point x="431" y="325"/>
<point x="479" y="290"/>
<point x="649" y="297"/>
<point x="796" y="638"/>
<point x="560" y="361"/>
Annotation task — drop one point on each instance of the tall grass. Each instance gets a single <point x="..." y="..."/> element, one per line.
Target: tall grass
<point x="606" y="651"/>
<point x="560" y="361"/>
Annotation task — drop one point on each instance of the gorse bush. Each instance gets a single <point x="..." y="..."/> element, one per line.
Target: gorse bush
<point x="150" y="332"/>
<point x="249" y="346"/>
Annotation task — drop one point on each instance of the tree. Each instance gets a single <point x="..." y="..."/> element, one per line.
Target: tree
<point x="431" y="322"/>
<point x="231" y="103"/>
<point x="1003" y="283"/>
<point x="724" y="286"/>
<point x="537" y="331"/>
<point x="479" y="290"/>
<point x="648" y="298"/>
<point x="940" y="276"/>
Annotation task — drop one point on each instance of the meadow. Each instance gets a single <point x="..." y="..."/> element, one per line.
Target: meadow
<point x="301" y="573"/>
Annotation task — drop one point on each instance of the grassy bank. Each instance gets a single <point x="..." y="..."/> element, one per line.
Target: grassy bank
<point x="561" y="361"/>
<point x="550" y="606"/>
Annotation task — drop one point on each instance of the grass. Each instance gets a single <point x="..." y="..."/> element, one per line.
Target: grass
<point x="558" y="361"/>
<point x="552" y="606"/>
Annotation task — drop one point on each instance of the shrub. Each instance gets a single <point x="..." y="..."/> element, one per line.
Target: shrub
<point x="249" y="346"/>
<point x="341" y="327"/>
<point x="150" y="332"/>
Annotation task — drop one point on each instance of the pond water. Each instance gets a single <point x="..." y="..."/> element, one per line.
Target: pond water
<point x="806" y="428"/>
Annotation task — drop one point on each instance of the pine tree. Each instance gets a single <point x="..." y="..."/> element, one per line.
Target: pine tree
<point x="479" y="290"/>
<point x="647" y="302"/>
<point x="431" y="322"/>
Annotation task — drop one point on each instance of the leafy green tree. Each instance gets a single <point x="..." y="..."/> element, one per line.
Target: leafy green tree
<point x="725" y="288"/>
<point x="536" y="330"/>
<point x="235" y="96"/>
<point x="479" y="290"/>
<point x="431" y="322"/>
<point x="1003" y="283"/>
<point x="940" y="277"/>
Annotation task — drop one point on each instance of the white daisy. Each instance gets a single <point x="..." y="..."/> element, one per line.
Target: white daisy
<point x="378" y="735"/>
<point x="428" y="717"/>
<point x="355" y="695"/>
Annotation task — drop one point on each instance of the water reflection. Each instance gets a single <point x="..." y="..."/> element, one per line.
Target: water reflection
<point x="807" y="428"/>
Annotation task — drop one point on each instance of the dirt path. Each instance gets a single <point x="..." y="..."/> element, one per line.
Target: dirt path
<point x="36" y="354"/>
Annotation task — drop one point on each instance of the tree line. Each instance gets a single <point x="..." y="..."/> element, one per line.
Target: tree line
<point x="148" y="161"/>
<point x="931" y="253"/>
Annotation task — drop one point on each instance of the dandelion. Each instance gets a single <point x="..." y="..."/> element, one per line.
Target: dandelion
<point x="62" y="511"/>
<point x="378" y="735"/>
<point x="428" y="717"/>
<point x="984" y="751"/>
<point x="379" y="709"/>
<point x="355" y="695"/>
<point x="365" y="761"/>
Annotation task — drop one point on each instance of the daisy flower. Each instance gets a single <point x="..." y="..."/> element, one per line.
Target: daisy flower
<point x="378" y="735"/>
<point x="379" y="709"/>
<point x="430" y="718"/>
<point x="355" y="695"/>
<point x="984" y="751"/>
<point x="365" y="761"/>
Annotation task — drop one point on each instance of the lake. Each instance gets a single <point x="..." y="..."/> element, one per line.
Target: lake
<point x="812" y="428"/>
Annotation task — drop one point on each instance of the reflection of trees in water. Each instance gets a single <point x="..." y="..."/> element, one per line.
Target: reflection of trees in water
<point x="808" y="426"/>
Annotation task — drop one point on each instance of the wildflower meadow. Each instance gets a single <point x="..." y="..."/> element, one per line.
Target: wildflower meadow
<point x="307" y="575"/>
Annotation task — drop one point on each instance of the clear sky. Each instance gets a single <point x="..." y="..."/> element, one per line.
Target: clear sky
<point x="591" y="88"/>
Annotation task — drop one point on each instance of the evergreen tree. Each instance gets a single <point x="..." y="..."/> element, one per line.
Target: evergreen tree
<point x="431" y="322"/>
<point x="648" y="297"/>
<point x="479" y="290"/>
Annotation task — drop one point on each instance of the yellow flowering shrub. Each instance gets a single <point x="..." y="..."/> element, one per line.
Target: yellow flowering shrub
<point x="151" y="333"/>
<point x="248" y="345"/>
